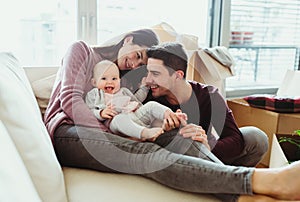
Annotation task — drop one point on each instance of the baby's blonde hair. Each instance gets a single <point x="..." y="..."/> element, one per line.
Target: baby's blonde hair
<point x="102" y="67"/>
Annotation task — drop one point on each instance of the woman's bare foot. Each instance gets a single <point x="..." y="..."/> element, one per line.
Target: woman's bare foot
<point x="151" y="133"/>
<point x="280" y="183"/>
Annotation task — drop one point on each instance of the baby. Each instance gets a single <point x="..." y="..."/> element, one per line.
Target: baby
<point x="120" y="109"/>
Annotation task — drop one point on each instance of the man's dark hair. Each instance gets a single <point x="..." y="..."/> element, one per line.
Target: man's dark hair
<point x="172" y="54"/>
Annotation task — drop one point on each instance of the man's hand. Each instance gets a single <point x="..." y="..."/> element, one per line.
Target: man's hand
<point x="195" y="132"/>
<point x="174" y="120"/>
<point x="182" y="117"/>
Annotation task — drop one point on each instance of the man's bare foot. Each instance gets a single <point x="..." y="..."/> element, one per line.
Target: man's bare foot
<point x="280" y="183"/>
<point x="151" y="133"/>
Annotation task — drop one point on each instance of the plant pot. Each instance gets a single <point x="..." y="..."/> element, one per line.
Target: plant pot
<point x="290" y="150"/>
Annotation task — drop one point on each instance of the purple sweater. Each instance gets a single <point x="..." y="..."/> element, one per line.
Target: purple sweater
<point x="73" y="81"/>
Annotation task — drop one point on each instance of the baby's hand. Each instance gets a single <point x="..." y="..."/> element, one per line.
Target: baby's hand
<point x="108" y="112"/>
<point x="182" y="117"/>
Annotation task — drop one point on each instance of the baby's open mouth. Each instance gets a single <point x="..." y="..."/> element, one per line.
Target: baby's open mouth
<point x="109" y="89"/>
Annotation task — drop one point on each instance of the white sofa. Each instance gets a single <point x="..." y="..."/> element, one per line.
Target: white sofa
<point x="29" y="169"/>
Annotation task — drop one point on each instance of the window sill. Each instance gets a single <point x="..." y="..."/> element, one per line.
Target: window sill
<point x="241" y="92"/>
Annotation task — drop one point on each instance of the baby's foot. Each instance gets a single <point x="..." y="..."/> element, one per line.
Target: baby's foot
<point x="151" y="133"/>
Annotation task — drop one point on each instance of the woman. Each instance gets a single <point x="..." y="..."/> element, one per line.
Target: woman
<point x="81" y="141"/>
<point x="74" y="77"/>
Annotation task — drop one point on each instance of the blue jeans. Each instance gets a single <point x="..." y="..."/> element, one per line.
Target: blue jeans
<point x="91" y="148"/>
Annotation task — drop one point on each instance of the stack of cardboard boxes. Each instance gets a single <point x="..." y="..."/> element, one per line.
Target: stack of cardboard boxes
<point x="270" y="122"/>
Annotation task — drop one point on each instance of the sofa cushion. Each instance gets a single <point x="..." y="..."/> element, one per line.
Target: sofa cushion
<point x="93" y="186"/>
<point x="15" y="183"/>
<point x="20" y="114"/>
<point x="42" y="89"/>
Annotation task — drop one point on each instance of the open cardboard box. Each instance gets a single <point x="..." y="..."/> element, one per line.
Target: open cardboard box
<point x="268" y="121"/>
<point x="283" y="153"/>
<point x="204" y="68"/>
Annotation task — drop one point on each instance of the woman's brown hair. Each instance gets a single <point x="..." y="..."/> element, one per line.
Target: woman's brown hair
<point x="141" y="37"/>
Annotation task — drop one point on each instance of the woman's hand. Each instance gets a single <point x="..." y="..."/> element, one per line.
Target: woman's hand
<point x="194" y="132"/>
<point x="143" y="81"/>
<point x="108" y="112"/>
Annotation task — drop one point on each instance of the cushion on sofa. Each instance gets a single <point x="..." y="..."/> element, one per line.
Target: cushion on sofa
<point x="274" y="103"/>
<point x="20" y="115"/>
<point x="15" y="183"/>
<point x="42" y="89"/>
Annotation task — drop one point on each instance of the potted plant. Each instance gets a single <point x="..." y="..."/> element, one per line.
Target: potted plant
<point x="290" y="145"/>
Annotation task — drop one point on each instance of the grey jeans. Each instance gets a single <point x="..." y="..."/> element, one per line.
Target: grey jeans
<point x="256" y="145"/>
<point x="91" y="148"/>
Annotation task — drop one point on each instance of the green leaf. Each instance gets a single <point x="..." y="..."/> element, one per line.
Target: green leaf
<point x="290" y="140"/>
<point x="296" y="132"/>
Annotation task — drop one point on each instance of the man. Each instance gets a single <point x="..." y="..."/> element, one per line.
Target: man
<point x="205" y="107"/>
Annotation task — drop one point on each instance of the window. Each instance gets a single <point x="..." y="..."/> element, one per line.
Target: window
<point x="264" y="42"/>
<point x="118" y="16"/>
<point x="39" y="32"/>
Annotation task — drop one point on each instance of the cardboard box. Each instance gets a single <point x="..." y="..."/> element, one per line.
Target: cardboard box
<point x="283" y="153"/>
<point x="268" y="121"/>
<point x="204" y="68"/>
